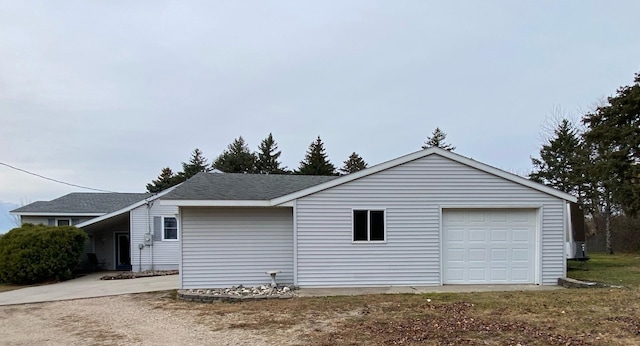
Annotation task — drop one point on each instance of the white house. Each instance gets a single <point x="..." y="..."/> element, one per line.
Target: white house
<point x="432" y="217"/>
<point x="116" y="224"/>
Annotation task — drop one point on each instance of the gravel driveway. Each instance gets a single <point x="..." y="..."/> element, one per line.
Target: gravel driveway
<point x="118" y="320"/>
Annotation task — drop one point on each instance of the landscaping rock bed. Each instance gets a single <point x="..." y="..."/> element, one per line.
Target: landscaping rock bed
<point x="135" y="275"/>
<point x="237" y="293"/>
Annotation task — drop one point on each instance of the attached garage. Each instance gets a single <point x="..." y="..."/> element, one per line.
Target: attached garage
<point x="489" y="246"/>
<point x="429" y="218"/>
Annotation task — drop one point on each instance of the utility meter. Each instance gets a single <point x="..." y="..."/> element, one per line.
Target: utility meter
<point x="148" y="239"/>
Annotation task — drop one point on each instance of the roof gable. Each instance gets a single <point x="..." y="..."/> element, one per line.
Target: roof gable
<point x="418" y="155"/>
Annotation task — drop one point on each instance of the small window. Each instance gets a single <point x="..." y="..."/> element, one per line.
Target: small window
<point x="170" y="229"/>
<point x="63" y="222"/>
<point x="368" y="225"/>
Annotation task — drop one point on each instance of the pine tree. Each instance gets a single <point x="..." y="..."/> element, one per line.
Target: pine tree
<point x="315" y="161"/>
<point x="613" y="138"/>
<point x="437" y="140"/>
<point x="197" y="163"/>
<point x="236" y="159"/>
<point x="353" y="164"/>
<point x="165" y="180"/>
<point x="614" y="132"/>
<point x="563" y="160"/>
<point x="267" y="158"/>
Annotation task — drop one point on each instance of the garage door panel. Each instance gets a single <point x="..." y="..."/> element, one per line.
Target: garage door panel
<point x="455" y="274"/>
<point x="520" y="235"/>
<point x="499" y="235"/>
<point x="477" y="255"/>
<point x="522" y="255"/>
<point x="519" y="275"/>
<point x="456" y="255"/>
<point x="456" y="235"/>
<point x="498" y="255"/>
<point x="485" y="246"/>
<point x="476" y="217"/>
<point x="477" y="274"/>
<point x="498" y="274"/>
<point x="522" y="215"/>
<point x="498" y="216"/>
<point x="477" y="235"/>
<point x="454" y="218"/>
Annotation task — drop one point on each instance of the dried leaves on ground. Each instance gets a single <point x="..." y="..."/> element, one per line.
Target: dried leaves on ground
<point x="566" y="317"/>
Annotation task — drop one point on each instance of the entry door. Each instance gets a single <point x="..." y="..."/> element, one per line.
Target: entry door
<point x="123" y="252"/>
<point x="489" y="246"/>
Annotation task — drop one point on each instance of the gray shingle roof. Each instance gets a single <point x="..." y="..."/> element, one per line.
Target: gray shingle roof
<point x="236" y="186"/>
<point x="84" y="202"/>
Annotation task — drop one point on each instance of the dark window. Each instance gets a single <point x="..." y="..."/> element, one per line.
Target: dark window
<point x="376" y="226"/>
<point x="368" y="225"/>
<point x="170" y="228"/>
<point x="360" y="225"/>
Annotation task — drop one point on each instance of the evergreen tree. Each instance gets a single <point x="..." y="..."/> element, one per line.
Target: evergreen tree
<point x="614" y="133"/>
<point x="236" y="159"/>
<point x="165" y="180"/>
<point x="437" y="140"/>
<point x="315" y="161"/>
<point x="267" y="158"/>
<point x="562" y="163"/>
<point x="613" y="138"/>
<point x="604" y="181"/>
<point x="353" y="164"/>
<point x="197" y="163"/>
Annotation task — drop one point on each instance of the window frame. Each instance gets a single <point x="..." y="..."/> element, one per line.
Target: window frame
<point x="164" y="229"/>
<point x="369" y="241"/>
<point x="64" y="219"/>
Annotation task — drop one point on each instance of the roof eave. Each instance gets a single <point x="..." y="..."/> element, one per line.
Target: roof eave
<point x="215" y="203"/>
<point x="38" y="213"/>
<point x="125" y="209"/>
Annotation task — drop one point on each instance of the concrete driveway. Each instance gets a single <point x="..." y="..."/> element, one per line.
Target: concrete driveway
<point x="88" y="286"/>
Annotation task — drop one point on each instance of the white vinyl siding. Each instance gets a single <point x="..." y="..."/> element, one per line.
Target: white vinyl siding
<point x="223" y="247"/>
<point x="44" y="220"/>
<point x="163" y="255"/>
<point x="412" y="196"/>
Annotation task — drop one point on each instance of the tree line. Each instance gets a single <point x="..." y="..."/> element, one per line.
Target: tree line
<point x="238" y="158"/>
<point x="599" y="163"/>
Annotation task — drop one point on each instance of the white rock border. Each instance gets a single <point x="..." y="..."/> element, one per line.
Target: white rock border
<point x="237" y="293"/>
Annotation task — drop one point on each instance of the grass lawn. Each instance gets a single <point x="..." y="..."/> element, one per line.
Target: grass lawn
<point x="620" y="269"/>
<point x="597" y="316"/>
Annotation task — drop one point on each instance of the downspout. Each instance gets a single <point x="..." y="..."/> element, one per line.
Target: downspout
<point x="149" y="205"/>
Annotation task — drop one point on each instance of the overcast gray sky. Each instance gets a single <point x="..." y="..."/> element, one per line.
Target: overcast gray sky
<point x="106" y="93"/>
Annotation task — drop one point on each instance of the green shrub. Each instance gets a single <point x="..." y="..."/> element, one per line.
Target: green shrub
<point x="39" y="253"/>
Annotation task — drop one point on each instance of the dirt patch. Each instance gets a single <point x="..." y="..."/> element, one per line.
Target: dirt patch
<point x="566" y="317"/>
<point x="10" y="287"/>
<point x="119" y="320"/>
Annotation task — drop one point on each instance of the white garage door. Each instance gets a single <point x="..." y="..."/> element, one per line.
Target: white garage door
<point x="489" y="246"/>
